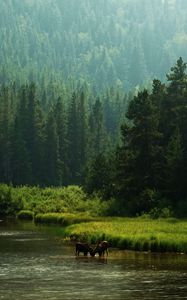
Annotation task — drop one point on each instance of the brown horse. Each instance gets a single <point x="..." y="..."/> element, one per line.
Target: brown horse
<point x="101" y="248"/>
<point x="84" y="248"/>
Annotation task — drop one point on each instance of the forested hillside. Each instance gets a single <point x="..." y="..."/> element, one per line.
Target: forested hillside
<point x="73" y="140"/>
<point x="72" y="74"/>
<point x="148" y="171"/>
<point x="49" y="135"/>
<point x="105" y="42"/>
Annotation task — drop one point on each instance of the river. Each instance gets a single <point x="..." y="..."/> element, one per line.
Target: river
<point x="35" y="264"/>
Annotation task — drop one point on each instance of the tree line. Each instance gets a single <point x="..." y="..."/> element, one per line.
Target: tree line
<point x="74" y="139"/>
<point x="148" y="170"/>
<point x="50" y="134"/>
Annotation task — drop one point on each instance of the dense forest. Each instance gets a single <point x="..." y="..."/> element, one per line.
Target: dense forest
<point x="74" y="141"/>
<point x="52" y="142"/>
<point x="105" y="42"/>
<point x="79" y="104"/>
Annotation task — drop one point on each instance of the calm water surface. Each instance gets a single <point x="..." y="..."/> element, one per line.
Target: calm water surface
<point x="37" y="265"/>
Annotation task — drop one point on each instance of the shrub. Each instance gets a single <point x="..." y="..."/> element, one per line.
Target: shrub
<point x="25" y="215"/>
<point x="148" y="199"/>
<point x="71" y="199"/>
<point x="157" y="213"/>
<point x="8" y="205"/>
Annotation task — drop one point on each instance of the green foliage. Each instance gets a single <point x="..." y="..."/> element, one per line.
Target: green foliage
<point x="162" y="235"/>
<point x="62" y="219"/>
<point x="156" y="213"/>
<point x="148" y="199"/>
<point x="25" y="201"/>
<point x="151" y="160"/>
<point x="70" y="142"/>
<point x="8" y="204"/>
<point x="52" y="144"/>
<point x="25" y="215"/>
<point x="98" y="178"/>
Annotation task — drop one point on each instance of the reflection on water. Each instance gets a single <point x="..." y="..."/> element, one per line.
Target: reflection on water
<point x="35" y="265"/>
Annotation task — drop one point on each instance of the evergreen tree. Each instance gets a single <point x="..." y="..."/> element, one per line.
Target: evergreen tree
<point x="137" y="158"/>
<point x="177" y="78"/>
<point x="174" y="166"/>
<point x="5" y="134"/>
<point x="34" y="133"/>
<point x="53" y="165"/>
<point x="82" y="132"/>
<point x="176" y="118"/>
<point x="97" y="132"/>
<point x="21" y="162"/>
<point x="73" y="159"/>
<point x="61" y="123"/>
<point x="98" y="178"/>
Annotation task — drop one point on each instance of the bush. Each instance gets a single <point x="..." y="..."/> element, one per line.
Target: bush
<point x="157" y="213"/>
<point x="71" y="199"/>
<point x="148" y="199"/>
<point x="9" y="206"/>
<point x="25" y="215"/>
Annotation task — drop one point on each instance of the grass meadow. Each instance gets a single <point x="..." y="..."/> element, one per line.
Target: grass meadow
<point x="83" y="218"/>
<point x="162" y="235"/>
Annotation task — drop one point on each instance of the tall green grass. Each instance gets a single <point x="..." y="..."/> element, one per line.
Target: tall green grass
<point x="135" y="234"/>
<point x="64" y="219"/>
<point x="70" y="208"/>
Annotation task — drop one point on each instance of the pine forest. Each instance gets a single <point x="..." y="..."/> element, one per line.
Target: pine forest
<point x="93" y="94"/>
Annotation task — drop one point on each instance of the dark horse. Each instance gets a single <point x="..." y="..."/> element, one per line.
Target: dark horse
<point x="101" y="248"/>
<point x="84" y="248"/>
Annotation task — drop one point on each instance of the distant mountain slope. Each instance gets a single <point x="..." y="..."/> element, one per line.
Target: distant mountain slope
<point x="106" y="42"/>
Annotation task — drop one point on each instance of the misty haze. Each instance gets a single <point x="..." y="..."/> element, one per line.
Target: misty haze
<point x="93" y="149"/>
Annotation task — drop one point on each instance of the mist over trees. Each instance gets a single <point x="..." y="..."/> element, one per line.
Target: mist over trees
<point x="80" y="105"/>
<point x="148" y="169"/>
<point x="52" y="144"/>
<point x="103" y="42"/>
<point x="69" y="142"/>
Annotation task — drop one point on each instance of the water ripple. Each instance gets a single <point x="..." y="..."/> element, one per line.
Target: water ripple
<point x="33" y="266"/>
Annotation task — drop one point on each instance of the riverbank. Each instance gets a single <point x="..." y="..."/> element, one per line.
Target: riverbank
<point x="37" y="264"/>
<point x="83" y="219"/>
<point x="140" y="234"/>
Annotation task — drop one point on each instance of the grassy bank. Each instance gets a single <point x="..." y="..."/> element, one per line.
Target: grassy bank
<point x="64" y="219"/>
<point x="140" y="234"/>
<point x="82" y="217"/>
<point x="135" y="234"/>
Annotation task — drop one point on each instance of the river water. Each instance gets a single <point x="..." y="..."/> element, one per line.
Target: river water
<point x="35" y="264"/>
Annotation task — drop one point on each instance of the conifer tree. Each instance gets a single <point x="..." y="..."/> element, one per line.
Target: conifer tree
<point x="6" y="121"/>
<point x="137" y="167"/>
<point x="73" y="159"/>
<point x="98" y="178"/>
<point x="61" y="123"/>
<point x="82" y="132"/>
<point x="97" y="131"/>
<point x="53" y="165"/>
<point x="34" y="133"/>
<point x="174" y="166"/>
<point x="21" y="162"/>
